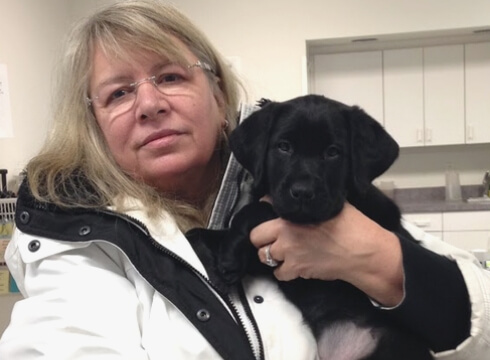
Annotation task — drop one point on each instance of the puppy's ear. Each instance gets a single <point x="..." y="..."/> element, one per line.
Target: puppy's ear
<point x="249" y="143"/>
<point x="373" y="150"/>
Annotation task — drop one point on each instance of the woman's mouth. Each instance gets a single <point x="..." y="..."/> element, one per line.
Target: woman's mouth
<point x="160" y="138"/>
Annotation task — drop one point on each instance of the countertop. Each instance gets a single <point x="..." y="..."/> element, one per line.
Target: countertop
<point x="432" y="199"/>
<point x="442" y="206"/>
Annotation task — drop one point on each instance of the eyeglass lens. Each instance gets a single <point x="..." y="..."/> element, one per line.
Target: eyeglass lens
<point x="170" y="80"/>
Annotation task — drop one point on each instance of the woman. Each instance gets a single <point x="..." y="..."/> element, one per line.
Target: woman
<point x="137" y="156"/>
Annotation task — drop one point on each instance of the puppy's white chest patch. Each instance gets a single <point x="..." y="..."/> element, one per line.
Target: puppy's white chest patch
<point x="345" y="340"/>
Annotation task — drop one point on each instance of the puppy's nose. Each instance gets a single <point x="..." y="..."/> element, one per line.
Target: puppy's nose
<point x="301" y="191"/>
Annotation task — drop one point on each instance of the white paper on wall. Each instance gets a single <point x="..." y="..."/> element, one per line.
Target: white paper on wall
<point x="5" y="112"/>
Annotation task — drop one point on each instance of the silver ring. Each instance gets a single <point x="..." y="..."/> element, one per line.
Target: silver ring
<point x="268" y="258"/>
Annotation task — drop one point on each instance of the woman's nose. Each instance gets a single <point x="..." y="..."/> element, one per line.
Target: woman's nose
<point x="149" y="101"/>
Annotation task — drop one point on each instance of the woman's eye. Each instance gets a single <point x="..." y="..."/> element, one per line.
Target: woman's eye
<point x="169" y="78"/>
<point x="284" y="146"/>
<point x="114" y="96"/>
<point x="119" y="94"/>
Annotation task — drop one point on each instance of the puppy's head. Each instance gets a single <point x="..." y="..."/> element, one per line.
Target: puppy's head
<point x="308" y="153"/>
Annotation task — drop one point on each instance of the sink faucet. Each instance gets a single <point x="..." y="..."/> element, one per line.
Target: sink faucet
<point x="486" y="184"/>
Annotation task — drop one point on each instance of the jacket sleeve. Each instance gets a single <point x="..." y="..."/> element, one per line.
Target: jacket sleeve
<point x="78" y="303"/>
<point x="476" y="345"/>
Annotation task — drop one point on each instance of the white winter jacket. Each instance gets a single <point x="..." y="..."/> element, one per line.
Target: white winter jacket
<point x="119" y="286"/>
<point x="89" y="299"/>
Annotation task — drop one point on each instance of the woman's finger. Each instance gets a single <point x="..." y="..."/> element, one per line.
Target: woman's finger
<point x="265" y="233"/>
<point x="266" y="257"/>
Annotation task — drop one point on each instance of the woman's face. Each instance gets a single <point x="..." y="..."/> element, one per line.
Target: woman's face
<point x="167" y="140"/>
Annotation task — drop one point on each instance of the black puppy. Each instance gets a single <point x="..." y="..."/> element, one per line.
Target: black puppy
<point x="311" y="154"/>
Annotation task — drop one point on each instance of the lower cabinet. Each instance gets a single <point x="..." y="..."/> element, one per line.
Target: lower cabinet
<point x="429" y="222"/>
<point x="469" y="230"/>
<point x="468" y="240"/>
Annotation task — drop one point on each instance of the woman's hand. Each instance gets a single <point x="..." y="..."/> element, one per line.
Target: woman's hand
<point x="349" y="247"/>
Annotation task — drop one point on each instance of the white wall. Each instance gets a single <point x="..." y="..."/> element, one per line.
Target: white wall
<point x="30" y="33"/>
<point x="267" y="36"/>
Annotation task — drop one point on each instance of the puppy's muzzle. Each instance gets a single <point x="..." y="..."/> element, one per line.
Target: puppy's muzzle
<point x="302" y="191"/>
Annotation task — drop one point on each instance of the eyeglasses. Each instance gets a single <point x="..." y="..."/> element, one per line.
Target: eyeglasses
<point x="172" y="79"/>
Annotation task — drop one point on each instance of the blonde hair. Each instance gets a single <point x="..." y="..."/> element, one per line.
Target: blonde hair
<point x="75" y="167"/>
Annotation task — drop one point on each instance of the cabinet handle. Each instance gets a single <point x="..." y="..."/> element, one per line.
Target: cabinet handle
<point x="422" y="223"/>
<point x="420" y="137"/>
<point x="470" y="132"/>
<point x="428" y="135"/>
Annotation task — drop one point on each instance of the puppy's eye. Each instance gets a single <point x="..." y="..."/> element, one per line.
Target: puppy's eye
<point x="331" y="152"/>
<point x="284" y="146"/>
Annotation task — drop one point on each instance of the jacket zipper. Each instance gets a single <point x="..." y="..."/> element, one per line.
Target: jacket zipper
<point x="259" y="351"/>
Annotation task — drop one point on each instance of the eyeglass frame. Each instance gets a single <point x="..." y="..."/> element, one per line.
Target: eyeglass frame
<point x="199" y="63"/>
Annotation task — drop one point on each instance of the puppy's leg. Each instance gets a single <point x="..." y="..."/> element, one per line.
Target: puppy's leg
<point x="206" y="244"/>
<point x="237" y="256"/>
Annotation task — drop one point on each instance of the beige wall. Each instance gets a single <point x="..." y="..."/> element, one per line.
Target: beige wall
<point x="267" y="36"/>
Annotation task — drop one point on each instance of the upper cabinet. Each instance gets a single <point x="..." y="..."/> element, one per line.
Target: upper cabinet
<point x="423" y="95"/>
<point x="444" y="94"/>
<point x="353" y="78"/>
<point x="404" y="96"/>
<point x="477" y="95"/>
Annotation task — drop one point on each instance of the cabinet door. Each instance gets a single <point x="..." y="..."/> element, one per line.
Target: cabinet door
<point x="477" y="68"/>
<point x="403" y="79"/>
<point x="468" y="230"/>
<point x="353" y="78"/>
<point x="444" y="95"/>
<point x="430" y="222"/>
<point x="466" y="221"/>
<point x="468" y="240"/>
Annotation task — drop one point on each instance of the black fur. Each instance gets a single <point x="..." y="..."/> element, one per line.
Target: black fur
<point x="310" y="154"/>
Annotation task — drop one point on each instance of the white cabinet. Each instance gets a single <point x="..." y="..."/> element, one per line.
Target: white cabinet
<point x="467" y="230"/>
<point x="354" y="78"/>
<point x="468" y="240"/>
<point x="466" y="220"/>
<point x="429" y="222"/>
<point x="444" y="94"/>
<point x="404" y="95"/>
<point x="477" y="67"/>
<point x="426" y="95"/>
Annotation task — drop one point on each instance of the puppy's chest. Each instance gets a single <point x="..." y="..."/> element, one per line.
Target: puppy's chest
<point x="344" y="340"/>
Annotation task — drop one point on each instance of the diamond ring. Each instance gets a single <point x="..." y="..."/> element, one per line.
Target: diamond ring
<point x="268" y="258"/>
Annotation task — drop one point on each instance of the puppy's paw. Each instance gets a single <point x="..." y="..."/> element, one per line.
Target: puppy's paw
<point x="263" y="102"/>
<point x="233" y="258"/>
<point x="236" y="254"/>
<point x="231" y="272"/>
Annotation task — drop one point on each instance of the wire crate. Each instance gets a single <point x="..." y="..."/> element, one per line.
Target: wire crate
<point x="7" y="210"/>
